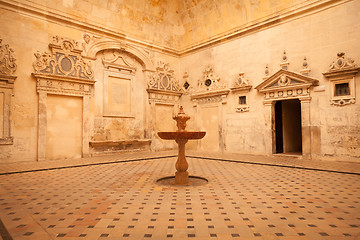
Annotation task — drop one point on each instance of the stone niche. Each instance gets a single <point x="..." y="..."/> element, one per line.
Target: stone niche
<point x="65" y="85"/>
<point x="119" y="121"/>
<point x="7" y="79"/>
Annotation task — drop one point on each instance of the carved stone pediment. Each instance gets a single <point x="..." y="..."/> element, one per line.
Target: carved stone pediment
<point x="162" y="85"/>
<point x="286" y="84"/>
<point x="63" y="70"/>
<point x="119" y="61"/>
<point x="241" y="84"/>
<point x="64" y="60"/>
<point x="210" y="88"/>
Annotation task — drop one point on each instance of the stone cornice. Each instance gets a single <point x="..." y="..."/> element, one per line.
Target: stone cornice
<point x="251" y="27"/>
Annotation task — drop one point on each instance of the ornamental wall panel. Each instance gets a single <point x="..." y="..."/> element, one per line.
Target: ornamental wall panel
<point x="62" y="71"/>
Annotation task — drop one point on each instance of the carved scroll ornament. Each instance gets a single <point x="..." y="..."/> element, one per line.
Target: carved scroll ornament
<point x="64" y="60"/>
<point x="7" y="59"/>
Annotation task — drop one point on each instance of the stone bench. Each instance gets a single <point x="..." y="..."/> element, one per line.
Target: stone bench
<point x="114" y="146"/>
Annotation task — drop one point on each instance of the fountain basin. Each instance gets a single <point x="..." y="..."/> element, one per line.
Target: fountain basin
<point x="181" y="135"/>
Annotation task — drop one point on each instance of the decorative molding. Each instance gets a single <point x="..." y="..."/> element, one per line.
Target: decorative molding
<point x="241" y="84"/>
<point x="64" y="60"/>
<point x="285" y="64"/>
<point x="342" y="71"/>
<point x="163" y="87"/>
<point x="119" y="62"/>
<point x="305" y="71"/>
<point x="93" y="44"/>
<point x="7" y="80"/>
<point x="242" y="108"/>
<point x="186" y="87"/>
<point x="7" y="59"/>
<point x="285" y="84"/>
<point x="63" y="86"/>
<point x="342" y="66"/>
<point x="210" y="89"/>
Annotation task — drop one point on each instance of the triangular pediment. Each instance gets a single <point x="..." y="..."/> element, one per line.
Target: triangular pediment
<point x="284" y="79"/>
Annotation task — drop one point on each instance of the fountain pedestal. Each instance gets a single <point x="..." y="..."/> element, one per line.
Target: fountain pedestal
<point x="181" y="137"/>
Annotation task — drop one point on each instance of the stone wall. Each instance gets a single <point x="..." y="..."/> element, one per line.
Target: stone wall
<point x="129" y="51"/>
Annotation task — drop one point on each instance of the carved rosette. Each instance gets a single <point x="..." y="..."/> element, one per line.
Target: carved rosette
<point x="162" y="85"/>
<point x="7" y="59"/>
<point x="63" y="70"/>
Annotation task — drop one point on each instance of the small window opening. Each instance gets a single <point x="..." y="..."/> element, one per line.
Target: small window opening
<point x="208" y="82"/>
<point x="186" y="85"/>
<point x="242" y="100"/>
<point x="342" y="89"/>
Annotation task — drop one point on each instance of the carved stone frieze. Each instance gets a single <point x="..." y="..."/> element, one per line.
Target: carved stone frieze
<point x="7" y="59"/>
<point x="62" y="86"/>
<point x="162" y="85"/>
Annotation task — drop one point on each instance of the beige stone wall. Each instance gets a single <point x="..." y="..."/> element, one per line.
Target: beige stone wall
<point x="28" y="34"/>
<point x="319" y="37"/>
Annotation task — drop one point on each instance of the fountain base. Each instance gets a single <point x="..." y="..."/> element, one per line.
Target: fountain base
<point x="192" y="181"/>
<point x="181" y="178"/>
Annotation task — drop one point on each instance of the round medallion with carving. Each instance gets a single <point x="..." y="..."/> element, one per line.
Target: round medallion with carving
<point x="66" y="64"/>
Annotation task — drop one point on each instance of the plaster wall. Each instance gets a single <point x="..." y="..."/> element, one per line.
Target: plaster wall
<point x="319" y="37"/>
<point x="28" y="34"/>
<point x="64" y="127"/>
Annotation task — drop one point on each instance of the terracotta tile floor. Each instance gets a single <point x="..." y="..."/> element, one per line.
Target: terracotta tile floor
<point x="122" y="200"/>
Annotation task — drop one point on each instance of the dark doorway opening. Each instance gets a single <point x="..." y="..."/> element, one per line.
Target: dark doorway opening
<point x="288" y="135"/>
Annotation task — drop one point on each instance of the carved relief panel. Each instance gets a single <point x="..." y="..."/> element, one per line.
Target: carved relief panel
<point x="7" y="69"/>
<point x="163" y="87"/>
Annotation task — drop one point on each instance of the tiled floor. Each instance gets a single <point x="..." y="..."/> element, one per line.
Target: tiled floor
<point x="121" y="200"/>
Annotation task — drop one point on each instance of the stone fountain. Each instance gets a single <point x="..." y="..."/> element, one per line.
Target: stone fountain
<point x="181" y="136"/>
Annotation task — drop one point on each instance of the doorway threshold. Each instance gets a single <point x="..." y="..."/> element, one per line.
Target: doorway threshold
<point x="290" y="154"/>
